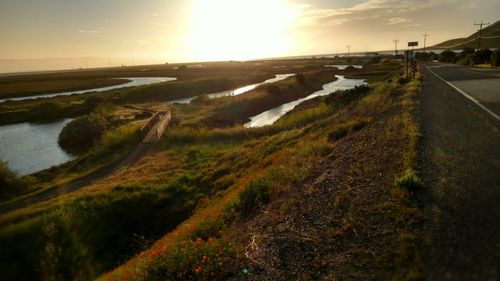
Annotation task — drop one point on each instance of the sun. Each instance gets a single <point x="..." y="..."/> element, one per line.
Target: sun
<point x="238" y="29"/>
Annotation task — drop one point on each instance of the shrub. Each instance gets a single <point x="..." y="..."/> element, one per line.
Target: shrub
<point x="482" y="56"/>
<point x="338" y="133"/>
<point x="447" y="56"/>
<point x="255" y="194"/>
<point x="344" y="129"/>
<point x="273" y="89"/>
<point x="201" y="99"/>
<point x="9" y="183"/>
<point x="409" y="180"/>
<point x="374" y="60"/>
<point x="82" y="133"/>
<point x="495" y="57"/>
<point x="423" y="56"/>
<point x="434" y="56"/>
<point x="342" y="98"/>
<point x="46" y="111"/>
<point x="466" y="52"/>
<point x="93" y="101"/>
<point x="300" y="78"/>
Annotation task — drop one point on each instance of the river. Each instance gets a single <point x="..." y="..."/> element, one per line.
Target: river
<point x="344" y="66"/>
<point x="234" y="92"/>
<point x="29" y="147"/>
<point x="133" y="82"/>
<point x="270" y="116"/>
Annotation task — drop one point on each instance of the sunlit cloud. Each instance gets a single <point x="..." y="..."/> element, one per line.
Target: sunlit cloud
<point x="392" y="21"/>
<point x="467" y="6"/>
<point x="89" y="31"/>
<point x="370" y="9"/>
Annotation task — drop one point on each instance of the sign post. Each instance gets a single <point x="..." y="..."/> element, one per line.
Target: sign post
<point x="412" y="44"/>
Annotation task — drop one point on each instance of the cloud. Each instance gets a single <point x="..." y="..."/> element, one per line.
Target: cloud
<point x="151" y="15"/>
<point x="397" y="20"/>
<point x="367" y="10"/>
<point x="414" y="25"/>
<point x="467" y="6"/>
<point x="89" y="31"/>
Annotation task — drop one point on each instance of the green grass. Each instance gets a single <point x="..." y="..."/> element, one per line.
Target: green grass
<point x="96" y="228"/>
<point x="115" y="144"/>
<point x="187" y="191"/>
<point x="10" y="89"/>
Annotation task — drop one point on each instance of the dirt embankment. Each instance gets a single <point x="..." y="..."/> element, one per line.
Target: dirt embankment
<point x="349" y="221"/>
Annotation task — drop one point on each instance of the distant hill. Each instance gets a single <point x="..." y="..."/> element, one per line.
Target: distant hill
<point x="490" y="39"/>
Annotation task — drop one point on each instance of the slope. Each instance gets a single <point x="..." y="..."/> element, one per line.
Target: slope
<point x="490" y="38"/>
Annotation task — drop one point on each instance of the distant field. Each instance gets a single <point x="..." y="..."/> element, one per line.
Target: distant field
<point x="192" y="80"/>
<point x="37" y="87"/>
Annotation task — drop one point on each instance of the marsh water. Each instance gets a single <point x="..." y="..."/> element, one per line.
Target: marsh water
<point x="29" y="147"/>
<point x="270" y="116"/>
<point x="344" y="66"/>
<point x="133" y="82"/>
<point x="32" y="147"/>
<point x="235" y="92"/>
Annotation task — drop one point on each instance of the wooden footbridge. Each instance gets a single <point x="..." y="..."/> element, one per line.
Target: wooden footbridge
<point x="153" y="129"/>
<point x="151" y="133"/>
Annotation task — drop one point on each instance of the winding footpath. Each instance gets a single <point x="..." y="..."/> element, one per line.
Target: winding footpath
<point x="460" y="165"/>
<point x="150" y="139"/>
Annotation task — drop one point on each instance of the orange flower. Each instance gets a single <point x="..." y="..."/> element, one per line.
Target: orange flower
<point x="155" y="252"/>
<point x="242" y="187"/>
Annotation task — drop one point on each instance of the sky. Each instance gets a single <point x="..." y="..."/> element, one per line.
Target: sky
<point x="201" y="30"/>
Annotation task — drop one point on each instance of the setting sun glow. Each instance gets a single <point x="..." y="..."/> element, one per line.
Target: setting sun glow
<point x="239" y="30"/>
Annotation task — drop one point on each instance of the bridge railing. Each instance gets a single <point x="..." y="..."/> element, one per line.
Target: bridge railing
<point x="150" y="124"/>
<point x="162" y="124"/>
<point x="161" y="120"/>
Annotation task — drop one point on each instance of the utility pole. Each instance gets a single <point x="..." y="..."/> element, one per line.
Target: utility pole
<point x="396" y="41"/>
<point x="480" y="31"/>
<point x="425" y="39"/>
<point x="348" y="50"/>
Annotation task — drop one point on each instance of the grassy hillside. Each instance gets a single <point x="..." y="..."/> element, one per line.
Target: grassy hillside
<point x="185" y="211"/>
<point x="265" y="185"/>
<point x="490" y="38"/>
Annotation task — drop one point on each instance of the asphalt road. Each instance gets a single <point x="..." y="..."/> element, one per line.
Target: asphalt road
<point x="459" y="159"/>
<point x="482" y="84"/>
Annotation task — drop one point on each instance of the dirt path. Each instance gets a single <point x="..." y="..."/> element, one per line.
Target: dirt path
<point x="135" y="155"/>
<point x="460" y="166"/>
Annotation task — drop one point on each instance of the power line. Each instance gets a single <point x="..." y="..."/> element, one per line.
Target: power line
<point x="396" y="41"/>
<point x="425" y="39"/>
<point x="348" y="50"/>
<point x="480" y="32"/>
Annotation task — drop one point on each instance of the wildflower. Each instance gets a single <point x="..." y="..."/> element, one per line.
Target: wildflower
<point x="242" y="187"/>
<point x="155" y="252"/>
<point x="198" y="269"/>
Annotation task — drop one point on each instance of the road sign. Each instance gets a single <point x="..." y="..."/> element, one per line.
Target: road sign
<point x="413" y="44"/>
